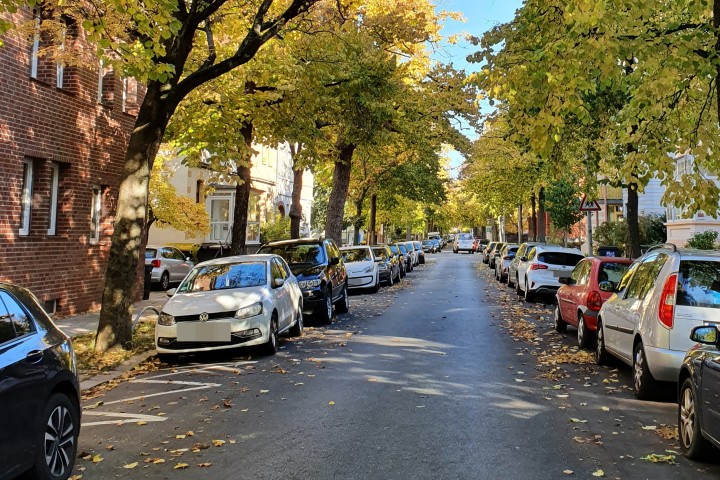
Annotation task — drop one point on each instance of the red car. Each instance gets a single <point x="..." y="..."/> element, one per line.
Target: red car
<point x="579" y="299"/>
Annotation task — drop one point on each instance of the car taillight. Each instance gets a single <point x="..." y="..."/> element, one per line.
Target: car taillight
<point x="594" y="301"/>
<point x="155" y="263"/>
<point x="538" y="266"/>
<point x="666" y="312"/>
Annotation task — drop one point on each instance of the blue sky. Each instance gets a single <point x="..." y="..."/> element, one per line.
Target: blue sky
<point x="480" y="16"/>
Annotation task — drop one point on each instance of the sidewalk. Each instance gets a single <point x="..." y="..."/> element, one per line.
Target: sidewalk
<point x="88" y="322"/>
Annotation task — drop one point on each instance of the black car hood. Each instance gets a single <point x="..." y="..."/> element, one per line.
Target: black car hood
<point x="305" y="271"/>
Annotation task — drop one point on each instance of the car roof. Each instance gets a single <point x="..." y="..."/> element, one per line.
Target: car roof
<point x="354" y="247"/>
<point x="258" y="257"/>
<point x="686" y="252"/>
<point x="297" y="241"/>
<point x="557" y="248"/>
<point x="611" y="259"/>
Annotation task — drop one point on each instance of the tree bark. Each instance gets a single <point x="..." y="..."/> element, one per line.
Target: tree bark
<point x="371" y="225"/>
<point x="533" y="230"/>
<point x="358" y="222"/>
<point x="296" y="206"/>
<point x="242" y="193"/>
<point x="338" y="195"/>
<point x="520" y="223"/>
<point x="541" y="234"/>
<point x="633" y="238"/>
<point x="716" y="24"/>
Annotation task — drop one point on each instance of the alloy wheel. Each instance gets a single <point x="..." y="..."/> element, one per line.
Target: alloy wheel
<point x="687" y="417"/>
<point x="59" y="441"/>
<point x="638" y="369"/>
<point x="328" y="305"/>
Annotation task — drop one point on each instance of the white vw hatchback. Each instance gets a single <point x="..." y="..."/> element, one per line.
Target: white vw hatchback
<point x="362" y="268"/>
<point x="231" y="302"/>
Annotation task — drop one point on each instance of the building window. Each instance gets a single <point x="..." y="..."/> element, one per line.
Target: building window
<point x="60" y="68"/>
<point x="35" y="49"/>
<point x="101" y="77"/>
<point x="54" y="186"/>
<point x="26" y="197"/>
<point x="95" y="214"/>
<point x="220" y="217"/>
<point x="129" y="95"/>
<point x="200" y="191"/>
<point x="253" y="220"/>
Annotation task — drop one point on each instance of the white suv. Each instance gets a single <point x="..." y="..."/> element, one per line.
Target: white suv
<point x="538" y="272"/>
<point x="647" y="323"/>
<point x="463" y="242"/>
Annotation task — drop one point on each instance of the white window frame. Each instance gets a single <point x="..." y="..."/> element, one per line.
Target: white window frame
<point x="60" y="68"/>
<point x="220" y="196"/>
<point x="95" y="214"/>
<point x="101" y="79"/>
<point x="124" y="93"/>
<point x="35" y="49"/>
<point x="54" y="190"/>
<point x="26" y="197"/>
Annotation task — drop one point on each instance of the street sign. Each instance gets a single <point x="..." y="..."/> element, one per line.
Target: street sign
<point x="589" y="205"/>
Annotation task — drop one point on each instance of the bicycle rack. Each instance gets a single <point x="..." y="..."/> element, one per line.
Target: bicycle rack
<point x="142" y="312"/>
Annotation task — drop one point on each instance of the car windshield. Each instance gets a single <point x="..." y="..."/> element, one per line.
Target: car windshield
<point x="427" y="242"/>
<point x="224" y="276"/>
<point x="699" y="284"/>
<point x="465" y="236"/>
<point x="394" y="249"/>
<point x="612" y="272"/>
<point x="357" y="255"/>
<point x="296" y="254"/>
<point x="150" y="252"/>
<point x="402" y="248"/>
<point x="560" y="258"/>
<point x="380" y="253"/>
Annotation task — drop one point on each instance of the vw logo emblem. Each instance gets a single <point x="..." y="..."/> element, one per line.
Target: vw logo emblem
<point x="204" y="317"/>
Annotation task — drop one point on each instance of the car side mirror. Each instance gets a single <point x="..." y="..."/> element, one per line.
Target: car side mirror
<point x="171" y="292"/>
<point x="606" y="286"/>
<point x="188" y="259"/>
<point x="523" y="259"/>
<point x="705" y="334"/>
<point x="565" y="280"/>
<point x="334" y="261"/>
<point x="278" y="282"/>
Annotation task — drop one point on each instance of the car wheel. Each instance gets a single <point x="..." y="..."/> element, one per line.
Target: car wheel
<point x="391" y="280"/>
<point x="326" y="313"/>
<point x="529" y="296"/>
<point x="509" y="280"/>
<point x="57" y="441"/>
<point x="165" y="281"/>
<point x="344" y="304"/>
<point x="560" y="325"/>
<point x="517" y="286"/>
<point x="583" y="334"/>
<point x="601" y="355"/>
<point x="644" y="385"/>
<point x="297" y="329"/>
<point x="692" y="444"/>
<point x="271" y="346"/>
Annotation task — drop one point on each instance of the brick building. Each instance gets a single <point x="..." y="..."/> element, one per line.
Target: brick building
<point x="63" y="134"/>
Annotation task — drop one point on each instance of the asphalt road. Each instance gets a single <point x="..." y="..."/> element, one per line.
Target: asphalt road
<point x="420" y="381"/>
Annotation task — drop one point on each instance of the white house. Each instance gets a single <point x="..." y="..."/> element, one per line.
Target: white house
<point x="271" y="194"/>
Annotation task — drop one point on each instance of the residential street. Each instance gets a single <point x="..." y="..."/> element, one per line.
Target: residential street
<point x="427" y="384"/>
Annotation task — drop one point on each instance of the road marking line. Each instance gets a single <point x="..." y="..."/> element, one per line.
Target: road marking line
<point x="128" y="418"/>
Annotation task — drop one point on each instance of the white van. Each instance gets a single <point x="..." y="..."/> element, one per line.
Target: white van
<point x="463" y="242"/>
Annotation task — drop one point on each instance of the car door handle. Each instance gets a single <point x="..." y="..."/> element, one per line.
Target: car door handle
<point x="35" y="356"/>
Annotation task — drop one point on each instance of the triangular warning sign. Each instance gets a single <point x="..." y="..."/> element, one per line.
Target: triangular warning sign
<point x="589" y="205"/>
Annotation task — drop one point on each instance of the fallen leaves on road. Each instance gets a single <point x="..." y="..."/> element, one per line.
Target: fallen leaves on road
<point x="668" y="432"/>
<point x="659" y="458"/>
<point x="598" y="473"/>
<point x="131" y="465"/>
<point x="218" y="443"/>
<point x="181" y="466"/>
<point x="568" y="472"/>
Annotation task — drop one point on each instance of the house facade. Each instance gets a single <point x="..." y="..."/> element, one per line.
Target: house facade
<point x="270" y="196"/>
<point x="63" y="135"/>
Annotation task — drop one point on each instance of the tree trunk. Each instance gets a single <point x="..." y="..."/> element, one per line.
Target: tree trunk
<point x="408" y="232"/>
<point x="371" y="225"/>
<point x="716" y="25"/>
<point x="533" y="230"/>
<point x="520" y="223"/>
<point x="633" y="239"/>
<point x="357" y="223"/>
<point x="296" y="206"/>
<point x="242" y="193"/>
<point x="541" y="216"/>
<point x="338" y="195"/>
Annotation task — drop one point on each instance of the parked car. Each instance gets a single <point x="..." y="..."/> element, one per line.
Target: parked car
<point x="438" y="245"/>
<point x="699" y="389"/>
<point x="429" y="246"/>
<point x="438" y="237"/>
<point x="400" y="257"/>
<point x="494" y="254"/>
<point x="320" y="271"/>
<point x="486" y="252"/>
<point x="507" y="253"/>
<point x="411" y="251"/>
<point x="228" y="303"/>
<point x="583" y="293"/>
<point x="363" y="270"/>
<point x="647" y="323"/>
<point x="540" y="270"/>
<point x="463" y="243"/>
<point x="387" y="264"/>
<point x="419" y="250"/>
<point x="39" y="391"/>
<point x="512" y="268"/>
<point x="407" y="255"/>
<point x="169" y="264"/>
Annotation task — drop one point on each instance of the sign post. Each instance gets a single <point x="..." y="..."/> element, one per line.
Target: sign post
<point x="589" y="206"/>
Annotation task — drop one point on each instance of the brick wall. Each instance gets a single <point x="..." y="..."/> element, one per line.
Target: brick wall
<point x="87" y="140"/>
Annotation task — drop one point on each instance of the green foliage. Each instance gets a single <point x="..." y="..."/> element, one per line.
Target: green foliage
<point x="704" y="240"/>
<point x="562" y="203"/>
<point x="652" y="232"/>
<point x="277" y="229"/>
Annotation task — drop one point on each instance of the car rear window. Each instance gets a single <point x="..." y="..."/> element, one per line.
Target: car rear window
<point x="699" y="284"/>
<point x="357" y="255"/>
<point x="560" y="258"/>
<point x="612" y="272"/>
<point x="296" y="254"/>
<point x="150" y="253"/>
<point x="465" y="236"/>
<point x="225" y="276"/>
<point x="380" y="253"/>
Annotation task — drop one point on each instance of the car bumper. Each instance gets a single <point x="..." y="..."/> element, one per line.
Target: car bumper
<point x="664" y="364"/>
<point x="364" y="281"/>
<point x="244" y="333"/>
<point x="384" y="275"/>
<point x="545" y="289"/>
<point x="156" y="274"/>
<point x="313" y="301"/>
<point x="590" y="318"/>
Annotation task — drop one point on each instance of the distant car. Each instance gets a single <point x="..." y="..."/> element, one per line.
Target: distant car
<point x="169" y="264"/>
<point x="410" y="246"/>
<point x="231" y="302"/>
<point x="463" y="243"/>
<point x="429" y="246"/>
<point x="502" y="263"/>
<point x="400" y="257"/>
<point x="438" y="237"/>
<point x="698" y="393"/>
<point x="320" y="271"/>
<point x="420" y="253"/>
<point x="407" y="255"/>
<point x="583" y="293"/>
<point x="539" y="272"/>
<point x="486" y="252"/>
<point x="39" y="391"/>
<point x="512" y="268"/>
<point x="387" y="264"/>
<point x="494" y="254"/>
<point x="664" y="295"/>
<point x="438" y="245"/>
<point x="362" y="268"/>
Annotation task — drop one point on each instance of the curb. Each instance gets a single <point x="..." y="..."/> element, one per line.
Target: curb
<point x="115" y="373"/>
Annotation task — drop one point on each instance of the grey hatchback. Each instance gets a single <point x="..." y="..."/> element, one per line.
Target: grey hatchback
<point x="39" y="391"/>
<point x="169" y="265"/>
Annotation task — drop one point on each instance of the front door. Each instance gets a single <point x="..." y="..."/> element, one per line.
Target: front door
<point x="220" y="208"/>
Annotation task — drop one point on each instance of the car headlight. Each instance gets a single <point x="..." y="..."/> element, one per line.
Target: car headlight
<point x="166" y="319"/>
<point x="369" y="269"/>
<point x="383" y="266"/>
<point x="251" y="311"/>
<point x="310" y="283"/>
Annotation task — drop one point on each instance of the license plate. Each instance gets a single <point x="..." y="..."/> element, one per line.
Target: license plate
<point x="204" y="331"/>
<point x="561" y="273"/>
